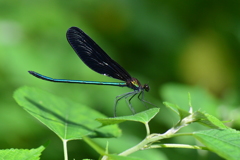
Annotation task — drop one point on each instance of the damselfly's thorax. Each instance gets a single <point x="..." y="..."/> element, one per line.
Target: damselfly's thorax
<point x="136" y="85"/>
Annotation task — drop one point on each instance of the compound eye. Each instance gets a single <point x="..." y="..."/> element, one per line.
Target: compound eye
<point x="146" y="87"/>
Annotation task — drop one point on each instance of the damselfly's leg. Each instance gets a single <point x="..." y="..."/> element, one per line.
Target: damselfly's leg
<point x="118" y="98"/>
<point x="129" y="100"/>
<point x="142" y="98"/>
<point x="144" y="101"/>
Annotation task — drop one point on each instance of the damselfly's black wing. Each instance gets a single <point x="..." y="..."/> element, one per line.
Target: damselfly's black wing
<point x="93" y="56"/>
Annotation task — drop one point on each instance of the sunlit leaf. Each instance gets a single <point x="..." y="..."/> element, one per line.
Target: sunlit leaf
<point x="209" y="120"/>
<point x="224" y="142"/>
<point x="143" y="117"/>
<point x="179" y="94"/>
<point x="21" y="154"/>
<point x="69" y="120"/>
<point x="181" y="112"/>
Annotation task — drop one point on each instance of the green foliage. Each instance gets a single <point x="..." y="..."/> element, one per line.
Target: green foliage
<point x="187" y="43"/>
<point x="180" y="112"/>
<point x="21" y="154"/>
<point x="143" y="117"/>
<point x="224" y="142"/>
<point x="209" y="120"/>
<point x="71" y="121"/>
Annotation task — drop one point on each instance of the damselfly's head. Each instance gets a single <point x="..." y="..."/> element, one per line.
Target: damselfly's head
<point x="146" y="87"/>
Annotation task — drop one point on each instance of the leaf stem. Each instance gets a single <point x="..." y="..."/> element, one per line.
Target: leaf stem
<point x="147" y="128"/>
<point x="65" y="149"/>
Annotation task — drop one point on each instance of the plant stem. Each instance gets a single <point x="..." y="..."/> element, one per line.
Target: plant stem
<point x="146" y="143"/>
<point x="178" y="146"/>
<point x="147" y="128"/>
<point x="139" y="146"/>
<point x="65" y="149"/>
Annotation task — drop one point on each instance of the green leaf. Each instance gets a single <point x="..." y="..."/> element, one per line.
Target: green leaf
<point x="209" y="120"/>
<point x="224" y="142"/>
<point x="172" y="107"/>
<point x="179" y="94"/>
<point x="69" y="120"/>
<point x="182" y="113"/>
<point x="19" y="154"/>
<point x="143" y="117"/>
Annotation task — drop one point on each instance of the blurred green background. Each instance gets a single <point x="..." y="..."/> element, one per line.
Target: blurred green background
<point x="193" y="43"/>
